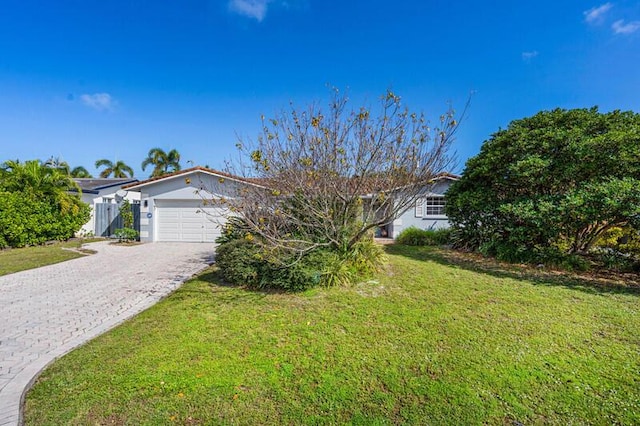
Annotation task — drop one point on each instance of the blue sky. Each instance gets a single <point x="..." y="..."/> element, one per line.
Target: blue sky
<point x="83" y="79"/>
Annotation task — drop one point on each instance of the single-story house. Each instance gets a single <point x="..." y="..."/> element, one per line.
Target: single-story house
<point x="428" y="211"/>
<point x="178" y="207"/>
<point x="101" y="191"/>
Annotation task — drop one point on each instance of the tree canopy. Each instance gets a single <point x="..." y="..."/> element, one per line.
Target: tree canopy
<point x="320" y="180"/>
<point x="554" y="181"/>
<point x="328" y="176"/>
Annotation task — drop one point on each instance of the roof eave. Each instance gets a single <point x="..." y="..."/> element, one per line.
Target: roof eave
<point x="123" y="184"/>
<point x="186" y="172"/>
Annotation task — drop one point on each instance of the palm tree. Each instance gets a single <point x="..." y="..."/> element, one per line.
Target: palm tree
<point x="80" y="172"/>
<point x="63" y="166"/>
<point x="57" y="163"/>
<point x="163" y="162"/>
<point x="118" y="169"/>
<point x="36" y="178"/>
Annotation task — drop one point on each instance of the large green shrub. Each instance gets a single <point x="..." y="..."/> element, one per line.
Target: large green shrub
<point x="27" y="220"/>
<point x="243" y="261"/>
<point x="239" y="262"/>
<point x="549" y="185"/>
<point x="36" y="204"/>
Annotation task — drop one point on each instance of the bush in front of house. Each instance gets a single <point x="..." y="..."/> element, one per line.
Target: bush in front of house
<point x="239" y="261"/>
<point x="244" y="261"/>
<point x="126" y="234"/>
<point x="413" y="236"/>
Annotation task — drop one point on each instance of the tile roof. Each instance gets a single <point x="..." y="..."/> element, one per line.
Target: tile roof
<point x="188" y="171"/>
<point x="446" y="175"/>
<point x="254" y="181"/>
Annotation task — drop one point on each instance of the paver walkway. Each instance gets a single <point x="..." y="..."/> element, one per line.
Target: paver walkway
<point x="46" y="312"/>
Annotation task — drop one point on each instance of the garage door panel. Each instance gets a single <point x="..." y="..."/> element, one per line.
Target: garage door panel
<point x="191" y="216"/>
<point x="171" y="236"/>
<point x="191" y="224"/>
<point x="186" y="221"/>
<point x="191" y="237"/>
<point x="170" y="213"/>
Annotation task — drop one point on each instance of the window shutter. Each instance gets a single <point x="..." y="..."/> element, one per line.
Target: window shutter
<point x="419" y="207"/>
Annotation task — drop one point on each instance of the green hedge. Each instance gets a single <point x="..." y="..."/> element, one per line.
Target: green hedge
<point x="424" y="237"/>
<point x="26" y="220"/>
<point x="243" y="262"/>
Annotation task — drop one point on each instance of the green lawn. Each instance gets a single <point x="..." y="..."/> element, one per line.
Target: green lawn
<point x="426" y="343"/>
<point x="15" y="260"/>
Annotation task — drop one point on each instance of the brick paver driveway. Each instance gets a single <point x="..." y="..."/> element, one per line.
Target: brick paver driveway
<point x="48" y="311"/>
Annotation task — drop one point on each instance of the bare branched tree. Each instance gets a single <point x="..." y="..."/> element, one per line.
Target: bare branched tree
<point x="328" y="177"/>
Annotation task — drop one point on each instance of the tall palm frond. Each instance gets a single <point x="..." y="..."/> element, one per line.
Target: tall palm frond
<point x="36" y="179"/>
<point x="57" y="163"/>
<point x="162" y="161"/>
<point x="80" y="172"/>
<point x="119" y="169"/>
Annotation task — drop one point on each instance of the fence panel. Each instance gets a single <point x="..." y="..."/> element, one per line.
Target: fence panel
<point x="108" y="219"/>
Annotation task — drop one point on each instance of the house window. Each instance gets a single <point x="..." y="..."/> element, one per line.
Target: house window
<point x="108" y="200"/>
<point x="430" y="206"/>
<point x="434" y="206"/>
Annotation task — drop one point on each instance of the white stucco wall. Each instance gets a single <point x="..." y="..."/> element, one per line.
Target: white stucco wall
<point x="408" y="219"/>
<point x="190" y="188"/>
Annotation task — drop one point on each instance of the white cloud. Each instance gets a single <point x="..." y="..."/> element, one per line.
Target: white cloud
<point x="528" y="56"/>
<point x="595" y="15"/>
<point x="99" y="101"/>
<point x="256" y="9"/>
<point x="619" y="27"/>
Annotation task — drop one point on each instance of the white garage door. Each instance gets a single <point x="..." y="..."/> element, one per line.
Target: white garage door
<point x="188" y="221"/>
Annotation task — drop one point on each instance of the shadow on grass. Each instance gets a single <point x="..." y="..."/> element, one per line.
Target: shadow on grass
<point x="593" y="283"/>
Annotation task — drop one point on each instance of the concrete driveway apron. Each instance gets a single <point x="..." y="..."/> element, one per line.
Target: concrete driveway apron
<point x="46" y="312"/>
